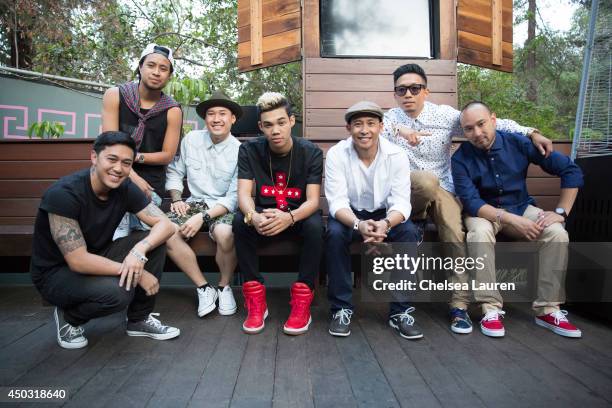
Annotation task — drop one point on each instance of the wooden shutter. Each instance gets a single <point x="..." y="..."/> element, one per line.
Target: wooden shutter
<point x="484" y="33"/>
<point x="269" y="33"/>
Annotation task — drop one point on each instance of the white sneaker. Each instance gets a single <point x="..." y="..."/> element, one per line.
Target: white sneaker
<point x="68" y="336"/>
<point x="227" y="303"/>
<point x="206" y="300"/>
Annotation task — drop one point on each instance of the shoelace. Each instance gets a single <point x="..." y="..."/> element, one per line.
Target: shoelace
<point x="494" y="315"/>
<point x="459" y="313"/>
<point x="209" y="293"/>
<point x="154" y="322"/>
<point x="70" y="331"/>
<point x="345" y="316"/>
<point x="405" y="315"/>
<point x="559" y="316"/>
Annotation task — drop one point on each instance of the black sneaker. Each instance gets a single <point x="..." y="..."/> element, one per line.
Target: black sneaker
<point x="152" y="328"/>
<point x="340" y="323"/>
<point x="404" y="324"/>
<point x="68" y="336"/>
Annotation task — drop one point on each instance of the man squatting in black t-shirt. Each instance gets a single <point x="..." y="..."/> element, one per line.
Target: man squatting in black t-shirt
<point x="286" y="172"/>
<point x="75" y="264"/>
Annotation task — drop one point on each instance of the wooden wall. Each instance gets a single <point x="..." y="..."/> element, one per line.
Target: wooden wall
<point x="331" y="85"/>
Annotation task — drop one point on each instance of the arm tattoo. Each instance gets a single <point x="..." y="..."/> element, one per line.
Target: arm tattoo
<point x="153" y="211"/>
<point x="175" y="195"/>
<point x="66" y="233"/>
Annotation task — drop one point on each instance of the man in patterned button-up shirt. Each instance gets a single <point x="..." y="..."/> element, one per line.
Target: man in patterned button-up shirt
<point x="425" y="131"/>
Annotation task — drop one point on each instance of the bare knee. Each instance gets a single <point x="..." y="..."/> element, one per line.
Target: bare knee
<point x="224" y="237"/>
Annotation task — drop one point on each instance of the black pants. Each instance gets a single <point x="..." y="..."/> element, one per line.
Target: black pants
<point x="247" y="239"/>
<point x="85" y="297"/>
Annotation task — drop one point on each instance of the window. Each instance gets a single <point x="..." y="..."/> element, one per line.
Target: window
<point x="376" y="28"/>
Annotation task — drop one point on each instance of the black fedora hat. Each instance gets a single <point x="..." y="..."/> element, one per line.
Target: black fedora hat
<point x="218" y="98"/>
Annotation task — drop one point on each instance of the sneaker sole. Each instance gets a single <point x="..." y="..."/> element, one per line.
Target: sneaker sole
<point x="493" y="333"/>
<point x="208" y="309"/>
<point x="396" y="328"/>
<point x="62" y="343"/>
<point x="557" y="330"/>
<point x="461" y="331"/>
<point x="202" y="313"/>
<point x="295" y="332"/>
<point x="154" y="336"/>
<point x="338" y="334"/>
<point x="227" y="312"/>
<point x="256" y="330"/>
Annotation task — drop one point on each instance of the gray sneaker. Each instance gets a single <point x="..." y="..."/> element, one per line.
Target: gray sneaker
<point x="404" y="324"/>
<point x="340" y="323"/>
<point x="68" y="336"/>
<point x="152" y="328"/>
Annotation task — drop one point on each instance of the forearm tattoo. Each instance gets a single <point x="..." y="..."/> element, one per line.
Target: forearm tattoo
<point x="175" y="195"/>
<point x="153" y="211"/>
<point x="66" y="233"/>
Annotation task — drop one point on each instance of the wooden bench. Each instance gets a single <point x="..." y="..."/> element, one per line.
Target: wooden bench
<point x="29" y="167"/>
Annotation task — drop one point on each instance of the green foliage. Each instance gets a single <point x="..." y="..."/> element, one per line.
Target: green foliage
<point x="52" y="130"/>
<point x="557" y="73"/>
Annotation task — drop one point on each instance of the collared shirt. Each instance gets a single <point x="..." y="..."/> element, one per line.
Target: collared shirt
<point x="345" y="184"/>
<point x="434" y="152"/>
<point x="211" y="169"/>
<point x="498" y="177"/>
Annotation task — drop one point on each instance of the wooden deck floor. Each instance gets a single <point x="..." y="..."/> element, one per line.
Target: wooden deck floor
<point x="213" y="364"/>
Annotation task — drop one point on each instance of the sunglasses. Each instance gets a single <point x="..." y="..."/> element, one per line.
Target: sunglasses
<point x="414" y="89"/>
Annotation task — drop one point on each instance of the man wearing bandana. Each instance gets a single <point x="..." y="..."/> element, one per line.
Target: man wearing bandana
<point x="286" y="173"/>
<point x="152" y="118"/>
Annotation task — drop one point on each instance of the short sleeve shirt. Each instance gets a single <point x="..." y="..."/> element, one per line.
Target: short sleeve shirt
<point x="280" y="180"/>
<point x="73" y="197"/>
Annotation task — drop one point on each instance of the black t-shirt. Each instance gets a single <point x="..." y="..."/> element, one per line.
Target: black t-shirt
<point x="152" y="142"/>
<point x="73" y="197"/>
<point x="306" y="168"/>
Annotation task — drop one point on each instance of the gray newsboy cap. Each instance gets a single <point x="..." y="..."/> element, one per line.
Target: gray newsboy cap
<point x="363" y="107"/>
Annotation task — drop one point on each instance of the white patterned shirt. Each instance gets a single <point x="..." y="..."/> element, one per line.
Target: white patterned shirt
<point x="433" y="153"/>
<point x="211" y="169"/>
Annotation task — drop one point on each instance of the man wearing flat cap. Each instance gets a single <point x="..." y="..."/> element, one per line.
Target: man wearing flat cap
<point x="208" y="158"/>
<point x="369" y="200"/>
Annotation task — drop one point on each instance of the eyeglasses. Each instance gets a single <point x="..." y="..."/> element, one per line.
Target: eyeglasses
<point x="414" y="89"/>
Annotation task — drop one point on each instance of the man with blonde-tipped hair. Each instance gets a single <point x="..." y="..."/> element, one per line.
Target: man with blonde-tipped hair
<point x="286" y="172"/>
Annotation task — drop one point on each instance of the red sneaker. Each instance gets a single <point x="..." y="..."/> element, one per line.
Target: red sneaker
<point x="558" y="323"/>
<point x="255" y="305"/>
<point x="299" y="318"/>
<point x="491" y="324"/>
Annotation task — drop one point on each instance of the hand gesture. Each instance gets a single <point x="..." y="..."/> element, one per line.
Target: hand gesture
<point x="149" y="283"/>
<point x="276" y="222"/>
<point x="192" y="225"/>
<point x="179" y="207"/>
<point x="413" y="137"/>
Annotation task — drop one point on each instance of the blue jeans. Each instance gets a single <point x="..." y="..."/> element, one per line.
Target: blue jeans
<point x="338" y="238"/>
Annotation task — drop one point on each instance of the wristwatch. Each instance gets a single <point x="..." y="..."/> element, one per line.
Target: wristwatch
<point x="356" y="224"/>
<point x="207" y="218"/>
<point x="388" y="224"/>
<point x="140" y="158"/>
<point x="561" y="212"/>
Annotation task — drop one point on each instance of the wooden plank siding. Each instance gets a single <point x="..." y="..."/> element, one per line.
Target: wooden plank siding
<point x="28" y="169"/>
<point x="484" y="33"/>
<point x="333" y="84"/>
<point x="278" y="33"/>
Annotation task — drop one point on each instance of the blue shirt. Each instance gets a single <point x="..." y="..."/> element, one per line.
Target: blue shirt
<point x="498" y="177"/>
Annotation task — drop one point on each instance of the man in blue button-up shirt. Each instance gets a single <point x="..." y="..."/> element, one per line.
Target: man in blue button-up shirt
<point x="490" y="174"/>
